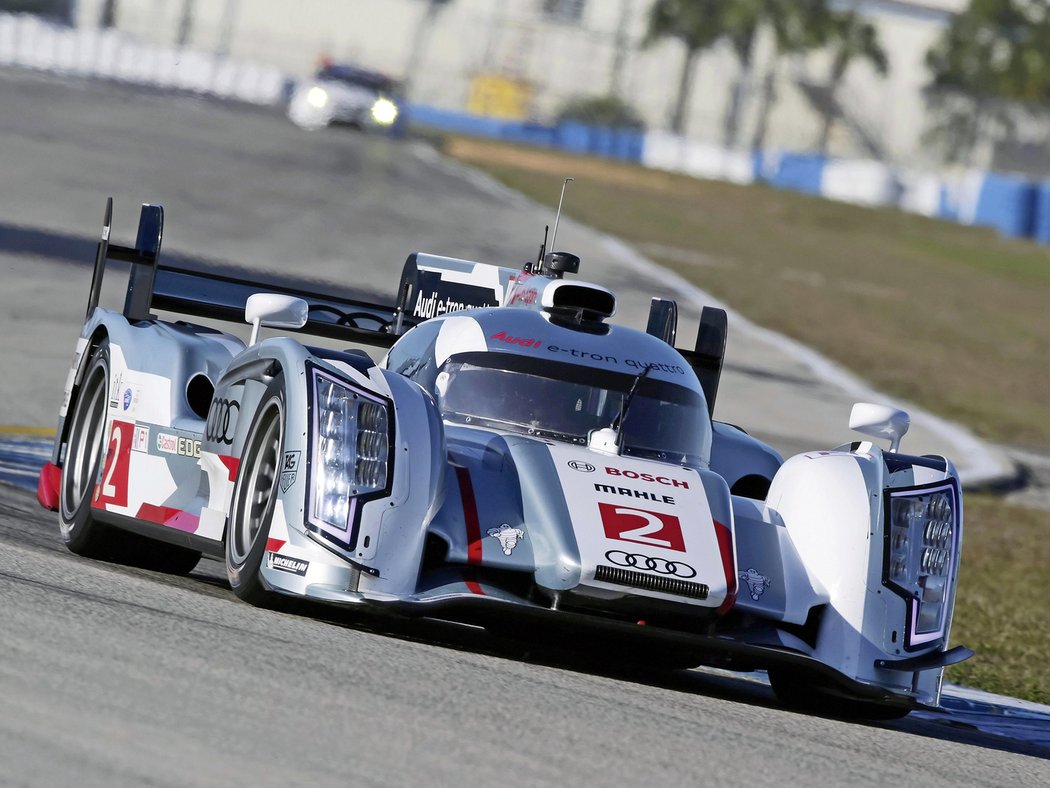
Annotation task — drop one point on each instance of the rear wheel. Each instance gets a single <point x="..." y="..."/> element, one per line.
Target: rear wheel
<point x="254" y="498"/>
<point x="81" y="531"/>
<point x="803" y="693"/>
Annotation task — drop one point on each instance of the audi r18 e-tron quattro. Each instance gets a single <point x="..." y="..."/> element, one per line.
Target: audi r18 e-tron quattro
<point x="514" y="458"/>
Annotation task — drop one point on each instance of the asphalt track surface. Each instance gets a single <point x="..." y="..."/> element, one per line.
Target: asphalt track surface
<point x="116" y="676"/>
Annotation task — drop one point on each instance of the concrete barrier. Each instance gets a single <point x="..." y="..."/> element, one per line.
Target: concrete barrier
<point x="1041" y="213"/>
<point x="860" y="181"/>
<point x="798" y="172"/>
<point x="1007" y="203"/>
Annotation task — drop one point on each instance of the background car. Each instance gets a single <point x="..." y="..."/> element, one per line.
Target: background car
<point x="345" y="94"/>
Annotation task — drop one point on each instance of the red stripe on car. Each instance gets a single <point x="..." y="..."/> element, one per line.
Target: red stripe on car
<point x="470" y="516"/>
<point x="725" y="548"/>
<point x="274" y="545"/>
<point x="166" y="515"/>
<point x="232" y="465"/>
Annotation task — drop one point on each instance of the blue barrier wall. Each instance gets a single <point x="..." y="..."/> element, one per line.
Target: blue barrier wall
<point x="1041" y="213"/>
<point x="1013" y="205"/>
<point x="796" y="171"/>
<point x="1007" y="203"/>
<point x="614" y="143"/>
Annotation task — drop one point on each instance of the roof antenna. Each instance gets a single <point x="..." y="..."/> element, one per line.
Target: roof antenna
<point x="557" y="216"/>
<point x="538" y="267"/>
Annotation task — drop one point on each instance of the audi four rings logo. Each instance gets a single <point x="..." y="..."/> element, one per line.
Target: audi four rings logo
<point x="648" y="564"/>
<point x="221" y="419"/>
<point x="576" y="465"/>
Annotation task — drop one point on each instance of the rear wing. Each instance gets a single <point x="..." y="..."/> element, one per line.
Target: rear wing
<point x="154" y="285"/>
<point x="430" y="285"/>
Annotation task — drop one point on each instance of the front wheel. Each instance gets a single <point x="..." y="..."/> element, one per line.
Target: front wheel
<point x="254" y="498"/>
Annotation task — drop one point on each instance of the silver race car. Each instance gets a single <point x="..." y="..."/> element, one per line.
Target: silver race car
<point x="515" y="460"/>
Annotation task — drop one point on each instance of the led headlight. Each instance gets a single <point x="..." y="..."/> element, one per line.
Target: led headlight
<point x="350" y="452"/>
<point x="922" y="551"/>
<point x="317" y="97"/>
<point x="384" y="111"/>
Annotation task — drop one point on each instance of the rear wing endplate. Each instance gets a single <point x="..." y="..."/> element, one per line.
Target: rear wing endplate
<point x="710" y="349"/>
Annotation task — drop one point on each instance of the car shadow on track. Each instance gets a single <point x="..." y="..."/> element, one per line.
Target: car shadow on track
<point x="750" y="689"/>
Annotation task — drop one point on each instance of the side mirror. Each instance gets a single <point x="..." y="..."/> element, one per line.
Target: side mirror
<point x="274" y="311"/>
<point x="880" y="421"/>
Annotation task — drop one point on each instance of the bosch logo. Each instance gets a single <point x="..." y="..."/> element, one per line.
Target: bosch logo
<point x="585" y="467"/>
<point x="647" y="477"/>
<point x="649" y="564"/>
<point x="222" y="420"/>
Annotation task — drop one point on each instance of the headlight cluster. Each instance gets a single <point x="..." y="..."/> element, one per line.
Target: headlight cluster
<point x="351" y="449"/>
<point x="384" y="111"/>
<point x="922" y="549"/>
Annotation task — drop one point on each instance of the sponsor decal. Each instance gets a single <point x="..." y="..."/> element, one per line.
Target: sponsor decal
<point x="141" y="440"/>
<point x="289" y="469"/>
<point x="127" y="398"/>
<point x="647" y="477"/>
<point x="641" y="526"/>
<point x="222" y="420"/>
<point x="633" y="363"/>
<point x="584" y="467"/>
<point x="584" y="354"/>
<point x="503" y="336"/>
<point x="756" y="584"/>
<point x="660" y="566"/>
<point x="524" y="296"/>
<point x="114" y="394"/>
<point x="626" y="491"/>
<point x="113" y="488"/>
<point x="177" y="444"/>
<point x="438" y="296"/>
<point x="508" y="537"/>
<point x="283" y="563"/>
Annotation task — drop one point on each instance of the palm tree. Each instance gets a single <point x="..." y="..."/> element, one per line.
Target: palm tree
<point x="742" y="21"/>
<point x="698" y="25"/>
<point x="850" y="38"/>
<point x="796" y="26"/>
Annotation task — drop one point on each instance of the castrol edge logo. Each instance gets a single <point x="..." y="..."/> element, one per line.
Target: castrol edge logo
<point x="646" y="477"/>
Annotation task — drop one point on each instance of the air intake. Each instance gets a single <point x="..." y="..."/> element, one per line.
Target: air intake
<point x="665" y="585"/>
<point x="590" y="301"/>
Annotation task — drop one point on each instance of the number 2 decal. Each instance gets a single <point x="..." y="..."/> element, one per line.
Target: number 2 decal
<point x="114" y="487"/>
<point x="642" y="526"/>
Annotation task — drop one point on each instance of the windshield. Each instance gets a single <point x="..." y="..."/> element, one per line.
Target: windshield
<point x="356" y="76"/>
<point x="565" y="402"/>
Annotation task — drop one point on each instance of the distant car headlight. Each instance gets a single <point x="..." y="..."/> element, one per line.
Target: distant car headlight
<point x="384" y="111"/>
<point x="317" y="97"/>
<point x="921" y="555"/>
<point x="350" y="453"/>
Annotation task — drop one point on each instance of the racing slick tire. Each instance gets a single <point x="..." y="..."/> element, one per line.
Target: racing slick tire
<point x="254" y="498"/>
<point x="81" y="531"/>
<point x="803" y="693"/>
